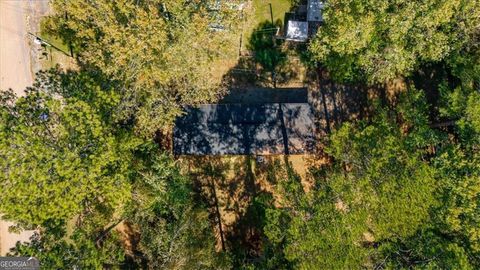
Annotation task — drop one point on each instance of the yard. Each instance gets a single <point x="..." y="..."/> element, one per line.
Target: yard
<point x="56" y="55"/>
<point x="262" y="10"/>
<point x="231" y="185"/>
<point x="262" y="14"/>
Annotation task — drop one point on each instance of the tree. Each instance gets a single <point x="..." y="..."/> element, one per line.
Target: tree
<point x="379" y="191"/>
<point x="425" y="250"/>
<point x="164" y="53"/>
<point x="382" y="39"/>
<point x="65" y="169"/>
<point x="174" y="229"/>
<point x="458" y="167"/>
<point x="386" y="171"/>
<point x="398" y="195"/>
<point x="60" y="158"/>
<point x="62" y="153"/>
<point x="450" y="240"/>
<point x="78" y="250"/>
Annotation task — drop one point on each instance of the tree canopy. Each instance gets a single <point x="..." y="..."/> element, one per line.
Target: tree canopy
<point x="164" y="53"/>
<point x="61" y="155"/>
<point x="388" y="201"/>
<point x="397" y="188"/>
<point x="380" y="39"/>
<point x="74" y="175"/>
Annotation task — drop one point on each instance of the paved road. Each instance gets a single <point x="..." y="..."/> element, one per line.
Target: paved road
<point x="15" y="64"/>
<point x="16" y="70"/>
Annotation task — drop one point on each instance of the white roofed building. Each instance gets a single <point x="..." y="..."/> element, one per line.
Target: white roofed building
<point x="304" y="22"/>
<point x="297" y="30"/>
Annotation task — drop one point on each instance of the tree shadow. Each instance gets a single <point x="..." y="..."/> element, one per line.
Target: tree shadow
<point x="428" y="77"/>
<point x="245" y="129"/>
<point x="334" y="103"/>
<point x="226" y="186"/>
<point x="268" y="61"/>
<point x="247" y="237"/>
<point x="237" y="190"/>
<point x="267" y="49"/>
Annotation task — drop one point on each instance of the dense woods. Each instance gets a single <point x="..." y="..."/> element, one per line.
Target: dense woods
<point x="380" y="40"/>
<point x="81" y="164"/>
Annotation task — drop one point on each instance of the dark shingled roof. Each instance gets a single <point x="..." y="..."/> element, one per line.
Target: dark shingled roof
<point x="240" y="129"/>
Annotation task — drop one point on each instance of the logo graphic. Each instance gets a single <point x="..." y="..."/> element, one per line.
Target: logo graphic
<point x="19" y="263"/>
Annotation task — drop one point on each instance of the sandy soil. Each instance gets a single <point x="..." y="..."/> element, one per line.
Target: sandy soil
<point x="230" y="183"/>
<point x="17" y="18"/>
<point x="15" y="64"/>
<point x="9" y="239"/>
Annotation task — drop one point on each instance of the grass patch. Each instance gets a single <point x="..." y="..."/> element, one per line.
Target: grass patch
<point x="262" y="10"/>
<point x="55" y="41"/>
<point x="56" y="55"/>
<point x="262" y="14"/>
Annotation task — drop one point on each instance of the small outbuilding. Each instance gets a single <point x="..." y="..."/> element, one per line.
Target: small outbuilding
<point x="304" y="21"/>
<point x="297" y="30"/>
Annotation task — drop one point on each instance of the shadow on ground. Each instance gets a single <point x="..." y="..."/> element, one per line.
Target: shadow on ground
<point x="238" y="189"/>
<point x="267" y="62"/>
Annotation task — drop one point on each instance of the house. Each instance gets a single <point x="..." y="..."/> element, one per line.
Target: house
<point x="260" y="128"/>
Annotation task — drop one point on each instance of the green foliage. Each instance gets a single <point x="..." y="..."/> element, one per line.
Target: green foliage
<point x="399" y="194"/>
<point x="74" y="174"/>
<point x="426" y="250"/>
<point x="388" y="201"/>
<point x="463" y="105"/>
<point x="56" y="251"/>
<point x="452" y="101"/>
<point x="275" y="224"/>
<point x="65" y="169"/>
<point x="386" y="172"/>
<point x="459" y="214"/>
<point x="382" y="39"/>
<point x="163" y="52"/>
<point x="267" y="49"/>
<point x="380" y="190"/>
<point x="325" y="238"/>
<point x="60" y="155"/>
<point x="472" y="114"/>
<point x="458" y="166"/>
<point x="465" y="65"/>
<point x="174" y="230"/>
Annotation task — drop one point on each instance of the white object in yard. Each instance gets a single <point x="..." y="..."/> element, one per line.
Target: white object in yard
<point x="37" y="41"/>
<point x="297" y="30"/>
